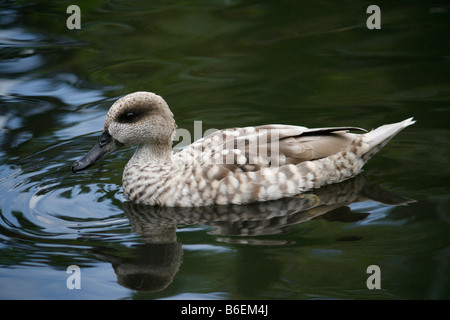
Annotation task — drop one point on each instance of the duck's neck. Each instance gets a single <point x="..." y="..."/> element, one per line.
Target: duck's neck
<point x="152" y="155"/>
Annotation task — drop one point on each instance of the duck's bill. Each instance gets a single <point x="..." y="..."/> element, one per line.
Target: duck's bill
<point x="104" y="146"/>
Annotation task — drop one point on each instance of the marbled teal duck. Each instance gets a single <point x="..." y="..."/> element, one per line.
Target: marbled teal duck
<point x="230" y="166"/>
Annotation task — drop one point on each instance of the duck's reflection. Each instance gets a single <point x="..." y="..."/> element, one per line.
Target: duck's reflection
<point x="152" y="266"/>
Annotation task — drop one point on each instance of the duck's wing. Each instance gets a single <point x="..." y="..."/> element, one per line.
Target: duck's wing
<point x="251" y="148"/>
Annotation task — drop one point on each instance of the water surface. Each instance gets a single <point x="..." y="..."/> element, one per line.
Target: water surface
<point x="225" y="63"/>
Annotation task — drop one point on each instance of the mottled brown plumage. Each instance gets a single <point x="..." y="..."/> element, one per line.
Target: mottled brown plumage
<point x="231" y="166"/>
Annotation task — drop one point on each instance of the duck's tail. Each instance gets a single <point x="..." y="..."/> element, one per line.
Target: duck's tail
<point x="379" y="137"/>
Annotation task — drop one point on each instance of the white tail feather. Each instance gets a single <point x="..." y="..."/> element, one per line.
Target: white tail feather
<point x="379" y="137"/>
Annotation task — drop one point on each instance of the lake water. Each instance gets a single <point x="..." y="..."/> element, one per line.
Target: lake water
<point x="225" y="63"/>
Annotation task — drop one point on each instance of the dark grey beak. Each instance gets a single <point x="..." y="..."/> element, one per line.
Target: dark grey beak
<point x="104" y="146"/>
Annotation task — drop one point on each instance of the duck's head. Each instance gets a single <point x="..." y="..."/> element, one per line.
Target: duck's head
<point x="138" y="118"/>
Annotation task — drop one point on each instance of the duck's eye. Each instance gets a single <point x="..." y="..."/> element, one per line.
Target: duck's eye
<point x="128" y="117"/>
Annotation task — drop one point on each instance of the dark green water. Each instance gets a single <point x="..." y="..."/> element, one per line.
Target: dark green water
<point x="226" y="63"/>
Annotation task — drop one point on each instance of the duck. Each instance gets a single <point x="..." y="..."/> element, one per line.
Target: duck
<point x="231" y="166"/>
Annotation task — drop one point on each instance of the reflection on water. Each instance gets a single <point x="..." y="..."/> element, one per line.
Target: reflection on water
<point x="154" y="264"/>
